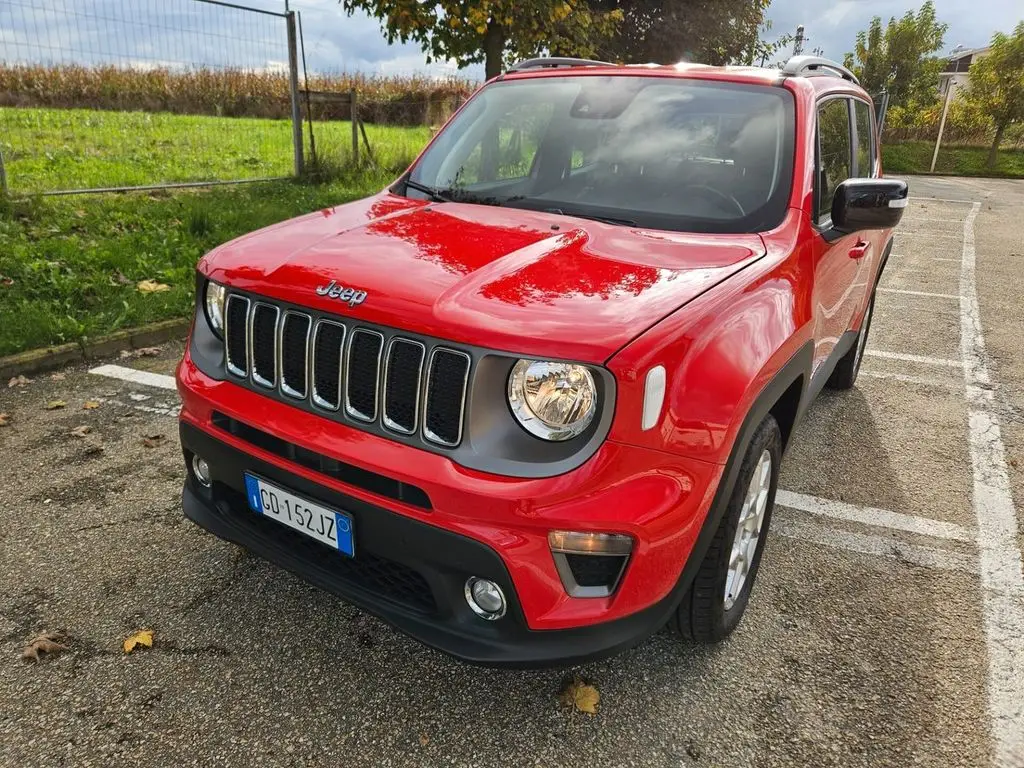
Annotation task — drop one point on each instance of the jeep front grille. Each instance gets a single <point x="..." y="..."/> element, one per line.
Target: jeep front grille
<point x="358" y="374"/>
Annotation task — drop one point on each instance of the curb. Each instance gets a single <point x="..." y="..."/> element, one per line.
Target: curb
<point x="39" y="360"/>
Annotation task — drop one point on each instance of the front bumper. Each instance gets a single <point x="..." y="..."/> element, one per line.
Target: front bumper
<point x="406" y="572"/>
<point x="473" y="524"/>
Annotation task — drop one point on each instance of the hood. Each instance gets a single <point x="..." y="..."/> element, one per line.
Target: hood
<point x="532" y="283"/>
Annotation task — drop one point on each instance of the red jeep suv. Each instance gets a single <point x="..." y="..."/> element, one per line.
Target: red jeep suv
<point x="528" y="404"/>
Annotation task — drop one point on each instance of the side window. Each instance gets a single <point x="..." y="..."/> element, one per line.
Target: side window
<point x="834" y="153"/>
<point x="865" y="140"/>
<point x="508" y="147"/>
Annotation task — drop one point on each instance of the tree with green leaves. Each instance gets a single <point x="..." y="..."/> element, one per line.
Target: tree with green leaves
<point x="667" y="31"/>
<point x="492" y="31"/>
<point x="901" y="57"/>
<point x="997" y="84"/>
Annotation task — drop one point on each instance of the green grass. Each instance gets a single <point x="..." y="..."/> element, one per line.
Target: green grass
<point x="916" y="157"/>
<point x="54" y="149"/>
<point x="69" y="265"/>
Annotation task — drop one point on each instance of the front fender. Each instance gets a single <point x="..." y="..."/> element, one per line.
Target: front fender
<point x="723" y="354"/>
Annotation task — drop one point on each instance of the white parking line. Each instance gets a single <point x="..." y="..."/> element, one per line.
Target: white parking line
<point x="913" y="358"/>
<point x="135" y="377"/>
<point x="919" y="293"/>
<point x="870" y="544"/>
<point x="999" y="556"/>
<point x="926" y="382"/>
<point x="882" y="518"/>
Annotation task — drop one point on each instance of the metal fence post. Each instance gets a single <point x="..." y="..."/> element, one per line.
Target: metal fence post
<point x="3" y="175"/>
<point x="293" y="85"/>
<point x="354" y="115"/>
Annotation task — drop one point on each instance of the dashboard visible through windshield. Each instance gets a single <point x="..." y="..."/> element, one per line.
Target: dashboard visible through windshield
<point x="662" y="153"/>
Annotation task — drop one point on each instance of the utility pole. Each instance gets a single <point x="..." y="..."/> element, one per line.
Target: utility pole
<point x="942" y="123"/>
<point x="798" y="41"/>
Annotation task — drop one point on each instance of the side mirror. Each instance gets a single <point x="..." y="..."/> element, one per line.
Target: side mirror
<point x="869" y="204"/>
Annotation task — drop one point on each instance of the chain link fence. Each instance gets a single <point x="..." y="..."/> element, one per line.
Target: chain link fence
<point x="117" y="94"/>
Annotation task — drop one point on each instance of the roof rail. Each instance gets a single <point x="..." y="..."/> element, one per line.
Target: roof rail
<point x="815" y="66"/>
<point x="550" y="62"/>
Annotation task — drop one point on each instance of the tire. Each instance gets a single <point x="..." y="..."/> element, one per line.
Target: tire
<point x="845" y="374"/>
<point x="707" y="614"/>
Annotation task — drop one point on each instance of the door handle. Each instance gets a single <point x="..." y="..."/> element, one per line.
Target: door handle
<point x="860" y="250"/>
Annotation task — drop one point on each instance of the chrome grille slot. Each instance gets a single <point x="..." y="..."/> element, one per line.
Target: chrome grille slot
<point x="447" y="376"/>
<point x="362" y="371"/>
<point x="263" y="344"/>
<point x="236" y="320"/>
<point x="403" y="367"/>
<point x="293" y="351"/>
<point x="328" y="345"/>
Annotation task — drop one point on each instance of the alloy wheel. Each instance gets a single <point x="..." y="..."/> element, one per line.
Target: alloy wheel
<point x="748" y="529"/>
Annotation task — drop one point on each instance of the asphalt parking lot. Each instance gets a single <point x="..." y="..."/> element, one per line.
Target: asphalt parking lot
<point x="886" y="629"/>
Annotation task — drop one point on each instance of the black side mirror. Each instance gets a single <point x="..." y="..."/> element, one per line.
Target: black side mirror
<point x="869" y="204"/>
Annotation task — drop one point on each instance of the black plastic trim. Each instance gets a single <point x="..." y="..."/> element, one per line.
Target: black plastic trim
<point x="338" y="470"/>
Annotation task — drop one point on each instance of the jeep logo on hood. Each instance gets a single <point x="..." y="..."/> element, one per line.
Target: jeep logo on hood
<point x="334" y="291"/>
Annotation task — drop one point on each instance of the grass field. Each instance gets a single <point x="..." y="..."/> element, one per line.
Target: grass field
<point x="69" y="266"/>
<point x="916" y="157"/>
<point x="52" y="149"/>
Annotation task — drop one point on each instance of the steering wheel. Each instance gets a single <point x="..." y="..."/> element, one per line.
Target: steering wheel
<point x="719" y="194"/>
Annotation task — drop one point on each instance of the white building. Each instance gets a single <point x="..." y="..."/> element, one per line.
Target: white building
<point x="958" y="67"/>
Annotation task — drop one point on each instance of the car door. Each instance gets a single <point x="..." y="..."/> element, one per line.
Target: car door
<point x="866" y="166"/>
<point x="836" y="294"/>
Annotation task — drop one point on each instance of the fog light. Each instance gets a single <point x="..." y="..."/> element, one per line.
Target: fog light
<point x="202" y="471"/>
<point x="485" y="598"/>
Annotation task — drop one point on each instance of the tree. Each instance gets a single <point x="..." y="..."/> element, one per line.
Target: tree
<point x="491" y="30"/>
<point x="997" y="84"/>
<point x="667" y="31"/>
<point x="901" y="57"/>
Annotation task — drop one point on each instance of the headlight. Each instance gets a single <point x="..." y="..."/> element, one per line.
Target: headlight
<point x="214" y="302"/>
<point x="554" y="401"/>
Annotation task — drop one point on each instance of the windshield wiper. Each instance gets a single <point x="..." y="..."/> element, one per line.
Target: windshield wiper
<point x="594" y="217"/>
<point x="437" y="195"/>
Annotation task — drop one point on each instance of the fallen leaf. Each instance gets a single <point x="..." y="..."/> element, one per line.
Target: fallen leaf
<point x="5" y="419"/>
<point x="580" y="696"/>
<point x="90" y="405"/>
<point x="151" y="286"/>
<point x="18" y="381"/>
<point x="119" y="278"/>
<point x="424" y="739"/>
<point x="57" y="377"/>
<point x="153" y="441"/>
<point x="45" y="643"/>
<point x="143" y="637"/>
<point x="6" y="281"/>
<point x="81" y="431"/>
<point x="55" y="404"/>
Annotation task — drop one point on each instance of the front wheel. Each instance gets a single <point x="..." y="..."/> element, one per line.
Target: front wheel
<point x="715" y="602"/>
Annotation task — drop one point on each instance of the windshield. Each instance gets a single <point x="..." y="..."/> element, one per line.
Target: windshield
<point x="662" y="153"/>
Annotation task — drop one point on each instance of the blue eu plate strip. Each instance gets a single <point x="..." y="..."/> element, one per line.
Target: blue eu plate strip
<point x="252" y="490"/>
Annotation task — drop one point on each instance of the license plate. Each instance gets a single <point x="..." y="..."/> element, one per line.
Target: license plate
<point x="325" y="525"/>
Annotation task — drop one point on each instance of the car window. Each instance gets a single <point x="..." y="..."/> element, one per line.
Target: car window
<point x="656" y="152"/>
<point x="507" y="149"/>
<point x="834" y="155"/>
<point x="865" y="140"/>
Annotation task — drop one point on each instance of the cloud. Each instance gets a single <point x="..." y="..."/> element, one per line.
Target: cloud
<point x="833" y="27"/>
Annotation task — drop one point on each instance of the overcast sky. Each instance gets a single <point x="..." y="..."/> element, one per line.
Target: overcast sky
<point x="182" y="32"/>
